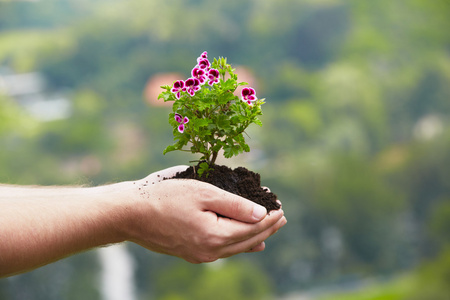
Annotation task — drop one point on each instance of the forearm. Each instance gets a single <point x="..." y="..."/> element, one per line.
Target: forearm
<point x="41" y="225"/>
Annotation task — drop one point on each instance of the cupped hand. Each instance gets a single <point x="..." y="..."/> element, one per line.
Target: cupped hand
<point x="180" y="217"/>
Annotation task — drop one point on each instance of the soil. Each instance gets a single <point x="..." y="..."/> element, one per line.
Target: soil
<point x="239" y="181"/>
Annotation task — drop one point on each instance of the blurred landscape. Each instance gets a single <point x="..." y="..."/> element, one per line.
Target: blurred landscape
<point x="355" y="138"/>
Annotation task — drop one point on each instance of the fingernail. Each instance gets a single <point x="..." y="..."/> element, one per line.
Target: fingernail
<point x="259" y="212"/>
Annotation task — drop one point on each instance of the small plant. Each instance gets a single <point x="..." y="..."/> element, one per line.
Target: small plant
<point x="208" y="115"/>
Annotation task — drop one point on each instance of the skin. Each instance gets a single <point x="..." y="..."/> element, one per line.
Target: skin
<point x="39" y="225"/>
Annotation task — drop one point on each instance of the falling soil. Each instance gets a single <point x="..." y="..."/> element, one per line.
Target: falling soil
<point x="239" y="181"/>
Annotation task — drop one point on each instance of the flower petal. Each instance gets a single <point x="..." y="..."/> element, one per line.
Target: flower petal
<point x="178" y="118"/>
<point x="181" y="128"/>
<point x="247" y="92"/>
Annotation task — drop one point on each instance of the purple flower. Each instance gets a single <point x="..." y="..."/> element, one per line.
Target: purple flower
<point x="248" y="95"/>
<point x="203" y="64"/>
<point x="192" y="85"/>
<point x="178" y="86"/>
<point x="200" y="74"/>
<point x="179" y="118"/>
<point x="213" y="76"/>
<point x="204" y="55"/>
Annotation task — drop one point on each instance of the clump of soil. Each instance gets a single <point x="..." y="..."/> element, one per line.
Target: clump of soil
<point x="239" y="181"/>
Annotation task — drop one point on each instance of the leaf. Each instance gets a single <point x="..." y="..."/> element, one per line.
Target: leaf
<point x="203" y="169"/>
<point x="227" y="152"/>
<point x="169" y="149"/>
<point x="223" y="122"/>
<point x="199" y="123"/>
<point x="257" y="121"/>
<point x="167" y="96"/>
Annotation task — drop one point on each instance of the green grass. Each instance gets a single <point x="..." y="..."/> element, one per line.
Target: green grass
<point x="396" y="289"/>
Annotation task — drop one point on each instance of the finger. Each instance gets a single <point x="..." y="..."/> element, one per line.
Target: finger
<point x="255" y="243"/>
<point x="234" y="207"/>
<point x="236" y="231"/>
<point x="258" y="248"/>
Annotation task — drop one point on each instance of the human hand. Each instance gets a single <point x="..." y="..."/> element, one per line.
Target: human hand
<point x="180" y="217"/>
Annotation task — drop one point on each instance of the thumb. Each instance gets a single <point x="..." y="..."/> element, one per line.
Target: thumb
<point x="238" y="208"/>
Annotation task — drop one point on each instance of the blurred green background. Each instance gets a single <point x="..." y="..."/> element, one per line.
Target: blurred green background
<point x="355" y="141"/>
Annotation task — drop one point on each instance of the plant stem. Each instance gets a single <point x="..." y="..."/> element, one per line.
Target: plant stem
<point x="213" y="160"/>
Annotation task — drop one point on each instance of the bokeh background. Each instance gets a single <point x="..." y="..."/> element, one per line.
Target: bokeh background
<point x="355" y="138"/>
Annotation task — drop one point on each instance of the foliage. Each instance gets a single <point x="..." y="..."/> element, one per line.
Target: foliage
<point x="354" y="194"/>
<point x="228" y="280"/>
<point x="397" y="288"/>
<point x="433" y="279"/>
<point x="13" y="119"/>
<point x="217" y="118"/>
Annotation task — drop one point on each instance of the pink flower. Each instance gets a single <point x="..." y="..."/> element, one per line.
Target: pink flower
<point x="200" y="74"/>
<point x="179" y="118"/>
<point x="178" y="86"/>
<point x="192" y="85"/>
<point x="248" y="95"/>
<point x="204" y="55"/>
<point x="203" y="64"/>
<point x="213" y="76"/>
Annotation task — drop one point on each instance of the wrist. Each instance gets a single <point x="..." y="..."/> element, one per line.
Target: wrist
<point x="119" y="208"/>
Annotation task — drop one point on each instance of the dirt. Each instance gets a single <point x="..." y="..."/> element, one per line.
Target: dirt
<point x="239" y="181"/>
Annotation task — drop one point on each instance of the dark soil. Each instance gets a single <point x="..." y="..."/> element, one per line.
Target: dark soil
<point x="239" y="181"/>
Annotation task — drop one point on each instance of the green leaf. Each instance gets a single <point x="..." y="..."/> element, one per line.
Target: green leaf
<point x="257" y="122"/>
<point x="169" y="149"/>
<point x="223" y="122"/>
<point x="203" y="169"/>
<point x="167" y="96"/>
<point x="227" y="152"/>
<point x="197" y="124"/>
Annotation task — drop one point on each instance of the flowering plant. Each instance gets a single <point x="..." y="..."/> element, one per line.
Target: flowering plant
<point x="207" y="113"/>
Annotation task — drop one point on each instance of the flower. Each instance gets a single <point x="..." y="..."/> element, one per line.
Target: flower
<point x="248" y="95"/>
<point x="204" y="55"/>
<point x="179" y="118"/>
<point x="204" y="64"/>
<point x="213" y="76"/>
<point x="199" y="74"/>
<point x="178" y="86"/>
<point x="192" y="85"/>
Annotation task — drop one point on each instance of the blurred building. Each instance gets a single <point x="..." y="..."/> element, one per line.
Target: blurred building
<point x="30" y="92"/>
<point x="153" y="87"/>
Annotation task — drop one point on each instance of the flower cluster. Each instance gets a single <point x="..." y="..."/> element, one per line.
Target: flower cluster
<point x="217" y="117"/>
<point x="202" y="73"/>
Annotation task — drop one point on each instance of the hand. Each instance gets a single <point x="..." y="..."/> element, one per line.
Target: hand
<point x="180" y="217"/>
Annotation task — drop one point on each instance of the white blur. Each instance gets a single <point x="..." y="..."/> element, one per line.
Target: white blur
<point x="117" y="275"/>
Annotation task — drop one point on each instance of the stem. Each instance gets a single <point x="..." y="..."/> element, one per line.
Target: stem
<point x="213" y="160"/>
